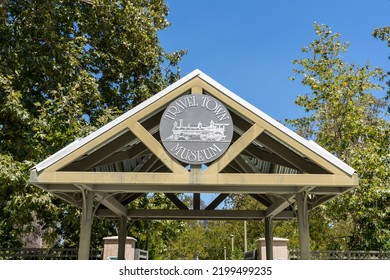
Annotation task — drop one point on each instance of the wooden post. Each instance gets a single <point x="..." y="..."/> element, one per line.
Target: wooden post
<point x="303" y="226"/>
<point x="269" y="236"/>
<point x="122" y="235"/>
<point x="86" y="225"/>
<point x="245" y="238"/>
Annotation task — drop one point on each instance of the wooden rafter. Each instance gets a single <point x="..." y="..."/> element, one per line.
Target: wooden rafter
<point x="155" y="147"/>
<point x="235" y="149"/>
<point x="102" y="153"/>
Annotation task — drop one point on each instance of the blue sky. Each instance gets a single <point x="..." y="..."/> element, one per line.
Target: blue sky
<point x="248" y="45"/>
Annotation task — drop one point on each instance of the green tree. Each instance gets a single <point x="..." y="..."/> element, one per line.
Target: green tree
<point x="67" y="67"/>
<point x="190" y="244"/>
<point x="347" y="118"/>
<point x="384" y="35"/>
<point x="155" y="236"/>
<point x="208" y="240"/>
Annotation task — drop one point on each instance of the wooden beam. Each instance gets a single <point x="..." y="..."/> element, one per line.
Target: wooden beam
<point x="200" y="189"/>
<point x="59" y="188"/>
<point x="240" y="121"/>
<point x="159" y="214"/>
<point x="131" y="198"/>
<point x="257" y="152"/>
<point x="196" y="90"/>
<point x="235" y="149"/>
<point x="102" y="153"/>
<point x="152" y="121"/>
<point x="111" y="203"/>
<point x="149" y="164"/>
<point x="218" y="200"/>
<point x="155" y="147"/>
<point x="290" y="156"/>
<point x="320" y="200"/>
<point x="330" y="190"/>
<point x="196" y="201"/>
<point x="175" y="200"/>
<point x="279" y="205"/>
<point x="122" y="234"/>
<point x="163" y="181"/>
<point x="70" y="199"/>
<point x="230" y="169"/>
<point x="86" y="221"/>
<point x="269" y="237"/>
<point x="303" y="226"/>
<point x="248" y="167"/>
<point x="162" y="102"/>
<point x="159" y="167"/>
<point x="261" y="198"/>
<point x="138" y="150"/>
<point x="233" y="167"/>
<point x="247" y="114"/>
<point x="107" y="200"/>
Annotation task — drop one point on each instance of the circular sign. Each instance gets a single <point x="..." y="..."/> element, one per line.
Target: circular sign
<point x="196" y="129"/>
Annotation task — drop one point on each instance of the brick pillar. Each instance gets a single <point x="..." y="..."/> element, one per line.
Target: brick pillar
<point x="110" y="248"/>
<point x="280" y="251"/>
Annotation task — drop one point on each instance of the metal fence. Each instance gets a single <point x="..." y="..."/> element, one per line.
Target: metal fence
<point x="343" y="255"/>
<point x="71" y="254"/>
<point x="44" y="254"/>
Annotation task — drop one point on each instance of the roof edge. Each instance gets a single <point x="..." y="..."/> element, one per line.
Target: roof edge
<point x="80" y="142"/>
<point x="313" y="146"/>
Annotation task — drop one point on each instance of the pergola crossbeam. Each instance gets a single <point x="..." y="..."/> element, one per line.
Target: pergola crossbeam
<point x="158" y="214"/>
<point x="160" y="181"/>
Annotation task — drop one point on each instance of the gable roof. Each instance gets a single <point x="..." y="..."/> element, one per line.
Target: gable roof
<point x="197" y="73"/>
<point x="125" y="159"/>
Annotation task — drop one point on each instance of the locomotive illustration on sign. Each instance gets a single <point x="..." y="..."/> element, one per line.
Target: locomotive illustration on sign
<point x="196" y="128"/>
<point x="198" y="132"/>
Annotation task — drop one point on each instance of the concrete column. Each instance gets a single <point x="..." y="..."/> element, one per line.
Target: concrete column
<point x="269" y="236"/>
<point x="122" y="234"/>
<point x="86" y="225"/>
<point x="303" y="226"/>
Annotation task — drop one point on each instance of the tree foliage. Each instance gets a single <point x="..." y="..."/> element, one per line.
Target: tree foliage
<point x="384" y="35"/>
<point x="155" y="235"/>
<point x="208" y="240"/>
<point x="67" y="67"/>
<point x="346" y="115"/>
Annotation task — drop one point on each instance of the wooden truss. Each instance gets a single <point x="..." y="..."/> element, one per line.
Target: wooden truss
<point x="125" y="160"/>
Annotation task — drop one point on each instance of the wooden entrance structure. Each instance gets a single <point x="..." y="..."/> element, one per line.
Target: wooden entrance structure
<point x="113" y="166"/>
